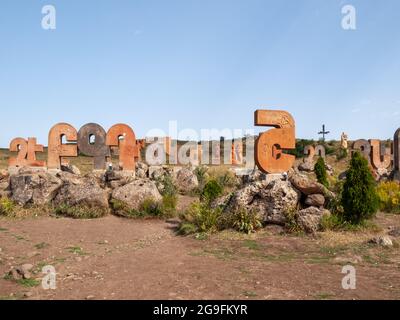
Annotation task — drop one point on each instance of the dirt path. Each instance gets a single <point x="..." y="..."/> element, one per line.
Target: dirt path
<point x="113" y="258"/>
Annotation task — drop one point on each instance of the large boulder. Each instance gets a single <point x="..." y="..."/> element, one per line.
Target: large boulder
<point x="83" y="192"/>
<point x="135" y="193"/>
<point x="4" y="184"/>
<point x="142" y="170"/>
<point x="186" y="180"/>
<point x="117" y="178"/>
<point x="315" y="200"/>
<point x="37" y="188"/>
<point x="70" y="168"/>
<point x="307" y="186"/>
<point x="307" y="166"/>
<point x="310" y="219"/>
<point x="273" y="199"/>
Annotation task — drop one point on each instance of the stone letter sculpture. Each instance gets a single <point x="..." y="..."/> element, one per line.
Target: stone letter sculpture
<point x="122" y="136"/>
<point x="57" y="149"/>
<point x="26" y="153"/>
<point x="364" y="147"/>
<point x="380" y="158"/>
<point x="92" y="143"/>
<point x="237" y="153"/>
<point x="269" y="145"/>
<point x="396" y="151"/>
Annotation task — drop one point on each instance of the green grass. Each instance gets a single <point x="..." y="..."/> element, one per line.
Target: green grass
<point x="249" y="294"/>
<point x="28" y="283"/>
<point x="252" y="245"/>
<point x="324" y="296"/>
<point x="3" y="229"/>
<point x="76" y="250"/>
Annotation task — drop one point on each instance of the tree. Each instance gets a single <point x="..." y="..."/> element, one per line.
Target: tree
<point x="360" y="200"/>
<point x="320" y="172"/>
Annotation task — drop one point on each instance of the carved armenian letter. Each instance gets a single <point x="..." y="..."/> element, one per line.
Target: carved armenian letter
<point x="26" y="153"/>
<point x="364" y="147"/>
<point x="58" y="150"/>
<point x="320" y="151"/>
<point x="309" y="151"/>
<point x="237" y="152"/>
<point x="380" y="158"/>
<point x="269" y="145"/>
<point x="122" y="136"/>
<point x="92" y="143"/>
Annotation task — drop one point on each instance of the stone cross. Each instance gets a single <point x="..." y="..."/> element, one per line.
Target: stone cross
<point x="323" y="132"/>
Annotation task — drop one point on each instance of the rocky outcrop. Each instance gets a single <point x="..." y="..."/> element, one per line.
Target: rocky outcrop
<point x="273" y="199"/>
<point x="142" y="170"/>
<point x="34" y="188"/>
<point x="307" y="186"/>
<point x="307" y="166"/>
<point x="186" y="180"/>
<point x="71" y="169"/>
<point x="116" y="178"/>
<point x="84" y="192"/>
<point x="135" y="193"/>
<point x="309" y="220"/>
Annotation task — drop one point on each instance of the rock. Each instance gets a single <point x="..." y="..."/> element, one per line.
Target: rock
<point x="342" y="176"/>
<point x="84" y="192"/>
<point x="383" y="241"/>
<point x="142" y="170"/>
<point x="271" y="199"/>
<point x="34" y="188"/>
<point x="117" y="178"/>
<point x="90" y="298"/>
<point x="28" y="294"/>
<point x="253" y="176"/>
<point x="71" y="169"/>
<point x="348" y="260"/>
<point x="21" y="272"/>
<point x="308" y="187"/>
<point x="134" y="193"/>
<point x="329" y="169"/>
<point x="307" y="166"/>
<point x="394" y="232"/>
<point x="315" y="200"/>
<point x="310" y="219"/>
<point x="186" y="181"/>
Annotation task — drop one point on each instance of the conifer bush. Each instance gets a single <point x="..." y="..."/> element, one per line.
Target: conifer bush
<point x="360" y="200"/>
<point x="320" y="171"/>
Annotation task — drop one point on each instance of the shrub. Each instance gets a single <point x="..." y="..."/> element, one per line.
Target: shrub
<point x="169" y="188"/>
<point x="389" y="196"/>
<point x="150" y="207"/>
<point x="300" y="145"/>
<point x="341" y="154"/>
<point x="80" y="211"/>
<point x="7" y="206"/>
<point x="359" y="198"/>
<point x="169" y="204"/>
<point x="202" y="217"/>
<point x="246" y="221"/>
<point x="320" y="172"/>
<point x="211" y="191"/>
<point x="201" y="174"/>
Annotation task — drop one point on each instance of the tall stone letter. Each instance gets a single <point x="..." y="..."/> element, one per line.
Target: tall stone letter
<point x="364" y="147"/>
<point x="57" y="149"/>
<point x="92" y="143"/>
<point x="269" y="145"/>
<point x="26" y="153"/>
<point x="122" y="136"/>
<point x="380" y="158"/>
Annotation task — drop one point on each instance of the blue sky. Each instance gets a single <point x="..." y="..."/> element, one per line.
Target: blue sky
<point x="207" y="64"/>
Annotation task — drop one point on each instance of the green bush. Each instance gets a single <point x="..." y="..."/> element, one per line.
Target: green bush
<point x="151" y="208"/>
<point x="320" y="172"/>
<point x="7" y="207"/>
<point x="389" y="196"/>
<point x="359" y="198"/>
<point x="211" y="191"/>
<point x="201" y="173"/>
<point x="300" y="145"/>
<point x="169" y="204"/>
<point x="341" y="154"/>
<point x="246" y="221"/>
<point x="169" y="187"/>
<point x="202" y="217"/>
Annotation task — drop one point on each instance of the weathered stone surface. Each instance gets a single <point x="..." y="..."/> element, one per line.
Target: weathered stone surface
<point x="118" y="178"/>
<point x="310" y="219"/>
<point x="186" y="180"/>
<point x="380" y="156"/>
<point x="383" y="241"/>
<point x="272" y="199"/>
<point x="71" y="169"/>
<point x="142" y="170"/>
<point x="307" y="166"/>
<point x="83" y="192"/>
<point x="4" y="183"/>
<point x="21" y="272"/>
<point x="34" y="188"/>
<point x="315" y="200"/>
<point x="306" y="186"/>
<point x="134" y="193"/>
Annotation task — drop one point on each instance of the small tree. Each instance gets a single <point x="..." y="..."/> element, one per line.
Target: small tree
<point x="360" y="200"/>
<point x="320" y="172"/>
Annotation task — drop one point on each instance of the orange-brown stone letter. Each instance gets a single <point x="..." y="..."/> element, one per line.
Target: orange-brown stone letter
<point x="122" y="136"/>
<point x="58" y="150"/>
